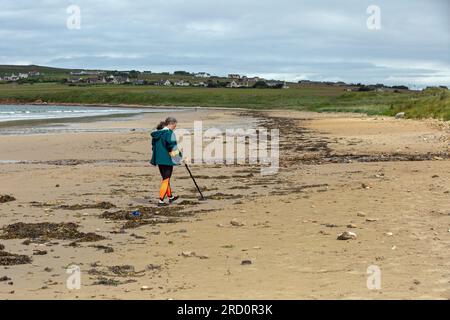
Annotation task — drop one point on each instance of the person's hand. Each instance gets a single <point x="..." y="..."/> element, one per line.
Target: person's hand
<point x="174" y="153"/>
<point x="186" y="159"/>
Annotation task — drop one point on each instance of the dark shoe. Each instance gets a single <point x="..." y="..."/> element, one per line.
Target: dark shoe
<point x="173" y="199"/>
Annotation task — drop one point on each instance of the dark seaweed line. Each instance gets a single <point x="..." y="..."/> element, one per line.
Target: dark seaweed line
<point x="316" y="150"/>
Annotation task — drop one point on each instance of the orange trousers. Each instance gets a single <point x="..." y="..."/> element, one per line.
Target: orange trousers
<point x="166" y="173"/>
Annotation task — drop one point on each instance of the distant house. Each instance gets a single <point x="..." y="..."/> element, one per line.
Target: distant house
<point x="120" y="80"/>
<point x="74" y="80"/>
<point x="162" y="82"/>
<point x="11" y="78"/>
<point x="254" y="79"/>
<point x="200" y="84"/>
<point x="23" y="75"/>
<point x="275" y="84"/>
<point x="202" y="75"/>
<point x="182" y="83"/>
<point x="86" y="73"/>
<point x="248" y="82"/>
<point x="95" y="80"/>
<point x="139" y="82"/>
<point x="233" y="84"/>
<point x="234" y="76"/>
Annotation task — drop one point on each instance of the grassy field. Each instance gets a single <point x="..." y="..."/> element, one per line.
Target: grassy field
<point x="428" y="103"/>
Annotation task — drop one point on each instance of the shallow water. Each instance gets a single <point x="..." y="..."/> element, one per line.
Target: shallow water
<point x="45" y="112"/>
<point x="44" y="119"/>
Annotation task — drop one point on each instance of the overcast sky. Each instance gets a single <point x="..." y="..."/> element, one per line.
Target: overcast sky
<point x="283" y="39"/>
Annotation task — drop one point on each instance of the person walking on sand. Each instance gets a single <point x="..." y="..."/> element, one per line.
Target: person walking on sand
<point x="165" y="155"/>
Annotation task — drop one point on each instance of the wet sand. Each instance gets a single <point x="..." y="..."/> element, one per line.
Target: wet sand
<point x="256" y="237"/>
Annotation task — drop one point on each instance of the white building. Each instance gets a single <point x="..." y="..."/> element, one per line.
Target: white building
<point x="120" y="80"/>
<point x="200" y="84"/>
<point x="233" y="84"/>
<point x="12" y="77"/>
<point x="202" y="75"/>
<point x="182" y="83"/>
<point x="166" y="83"/>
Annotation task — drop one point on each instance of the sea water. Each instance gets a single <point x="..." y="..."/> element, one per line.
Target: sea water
<point x="43" y="112"/>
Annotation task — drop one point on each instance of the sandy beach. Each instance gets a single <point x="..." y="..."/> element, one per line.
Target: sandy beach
<point x="255" y="237"/>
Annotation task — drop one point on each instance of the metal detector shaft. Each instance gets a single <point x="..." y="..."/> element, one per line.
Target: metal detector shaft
<point x="193" y="179"/>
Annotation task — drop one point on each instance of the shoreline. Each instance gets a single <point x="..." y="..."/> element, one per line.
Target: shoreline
<point x="43" y="122"/>
<point x="95" y="118"/>
<point x="122" y="105"/>
<point x="82" y="119"/>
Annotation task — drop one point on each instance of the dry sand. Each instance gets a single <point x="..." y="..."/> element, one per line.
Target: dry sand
<point x="389" y="178"/>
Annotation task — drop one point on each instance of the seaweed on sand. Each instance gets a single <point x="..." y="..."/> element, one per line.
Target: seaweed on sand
<point x="10" y="259"/>
<point x="146" y="216"/>
<point x="222" y="196"/>
<point x="6" y="198"/>
<point x="131" y="224"/>
<point x="144" y="213"/>
<point x="108" y="274"/>
<point x="111" y="282"/>
<point x="99" y="205"/>
<point x="78" y="206"/>
<point x="46" y="231"/>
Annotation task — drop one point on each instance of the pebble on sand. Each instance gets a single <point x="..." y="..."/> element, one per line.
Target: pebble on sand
<point x="236" y="223"/>
<point x="400" y="115"/>
<point x="188" y="254"/>
<point x="361" y="214"/>
<point x="347" y="235"/>
<point x="331" y="225"/>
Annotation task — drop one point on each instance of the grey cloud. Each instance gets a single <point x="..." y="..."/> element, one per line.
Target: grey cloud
<point x="320" y="39"/>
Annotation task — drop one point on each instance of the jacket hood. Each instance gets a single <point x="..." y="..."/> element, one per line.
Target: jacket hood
<point x="157" y="134"/>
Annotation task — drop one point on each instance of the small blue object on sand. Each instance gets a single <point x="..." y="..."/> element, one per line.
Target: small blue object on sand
<point x="136" y="213"/>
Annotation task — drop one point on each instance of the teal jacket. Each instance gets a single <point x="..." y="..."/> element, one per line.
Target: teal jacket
<point x="163" y="142"/>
